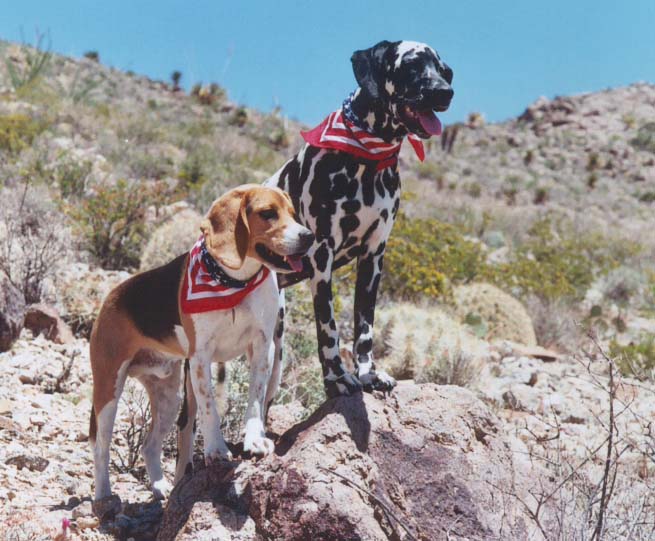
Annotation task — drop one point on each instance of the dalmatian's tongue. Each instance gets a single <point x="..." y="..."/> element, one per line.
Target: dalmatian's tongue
<point x="430" y="122"/>
<point x="295" y="262"/>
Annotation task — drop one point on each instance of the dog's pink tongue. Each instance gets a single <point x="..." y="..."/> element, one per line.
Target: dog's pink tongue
<point x="295" y="262"/>
<point x="430" y="122"/>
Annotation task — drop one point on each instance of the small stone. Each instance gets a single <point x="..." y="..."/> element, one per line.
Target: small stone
<point x="37" y="420"/>
<point x="85" y="509"/>
<point x="32" y="463"/>
<point x="87" y="523"/>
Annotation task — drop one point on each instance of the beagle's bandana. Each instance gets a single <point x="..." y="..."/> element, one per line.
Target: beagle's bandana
<point x="207" y="287"/>
<point x="339" y="131"/>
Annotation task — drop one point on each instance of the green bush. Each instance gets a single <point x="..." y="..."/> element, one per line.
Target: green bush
<point x="645" y="138"/>
<point x="18" y="131"/>
<point x="424" y="255"/>
<point x="556" y="263"/>
<point x="637" y="359"/>
<point x="112" y="221"/>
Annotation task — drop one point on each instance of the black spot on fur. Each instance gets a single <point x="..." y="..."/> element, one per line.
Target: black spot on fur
<point x="321" y="257"/>
<point x="349" y="224"/>
<point x="322" y="301"/>
<point x="350" y="207"/>
<point x="150" y="299"/>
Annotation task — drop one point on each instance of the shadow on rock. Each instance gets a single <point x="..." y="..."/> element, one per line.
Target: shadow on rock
<point x="353" y="410"/>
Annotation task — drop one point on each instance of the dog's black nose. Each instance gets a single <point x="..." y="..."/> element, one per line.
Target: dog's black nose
<point x="443" y="95"/>
<point x="307" y="236"/>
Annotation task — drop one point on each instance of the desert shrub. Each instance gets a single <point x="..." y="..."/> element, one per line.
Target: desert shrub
<point x="645" y="138"/>
<point x="553" y="263"/>
<point x="493" y="314"/>
<point x="34" y="239"/>
<point x="35" y="62"/>
<point x="623" y="284"/>
<point x="424" y="255"/>
<point x="111" y="222"/>
<point x="636" y="359"/>
<point x="70" y="176"/>
<point x="92" y="55"/>
<point x="174" y="237"/>
<point x="18" y="131"/>
<point x="429" y="170"/>
<point x="131" y="433"/>
<point x="426" y="344"/>
<point x="554" y="323"/>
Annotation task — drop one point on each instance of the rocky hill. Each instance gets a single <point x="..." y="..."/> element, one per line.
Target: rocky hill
<point x="518" y="308"/>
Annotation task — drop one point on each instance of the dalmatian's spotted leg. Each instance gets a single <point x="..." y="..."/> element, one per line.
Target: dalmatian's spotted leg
<point x="337" y="380"/>
<point x="369" y="271"/>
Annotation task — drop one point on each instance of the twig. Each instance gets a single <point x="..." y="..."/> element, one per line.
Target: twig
<point x="604" y="496"/>
<point x="377" y="500"/>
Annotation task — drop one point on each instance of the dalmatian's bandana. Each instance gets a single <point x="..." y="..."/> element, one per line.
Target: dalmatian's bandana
<point x="207" y="287"/>
<point x="341" y="131"/>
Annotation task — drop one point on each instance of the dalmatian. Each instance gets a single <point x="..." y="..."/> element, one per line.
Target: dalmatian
<point x="345" y="188"/>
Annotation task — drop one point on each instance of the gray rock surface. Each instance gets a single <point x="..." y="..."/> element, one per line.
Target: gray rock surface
<point x="12" y="313"/>
<point x="429" y="460"/>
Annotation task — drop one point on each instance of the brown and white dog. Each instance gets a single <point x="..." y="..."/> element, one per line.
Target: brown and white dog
<point x="143" y="331"/>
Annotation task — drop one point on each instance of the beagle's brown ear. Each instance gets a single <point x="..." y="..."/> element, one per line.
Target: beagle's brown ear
<point x="226" y="230"/>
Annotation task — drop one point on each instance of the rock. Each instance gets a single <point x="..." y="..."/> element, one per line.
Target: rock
<point x="32" y="463"/>
<point x="429" y="457"/>
<point x="83" y="510"/>
<point x="44" y="319"/>
<point x="87" y="523"/>
<point x="12" y="313"/>
<point x="507" y="348"/>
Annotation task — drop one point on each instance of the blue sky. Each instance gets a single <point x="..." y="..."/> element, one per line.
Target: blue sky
<point x="296" y="54"/>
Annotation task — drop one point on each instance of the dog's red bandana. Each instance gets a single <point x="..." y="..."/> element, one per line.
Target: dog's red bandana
<point x="203" y="291"/>
<point x="338" y="133"/>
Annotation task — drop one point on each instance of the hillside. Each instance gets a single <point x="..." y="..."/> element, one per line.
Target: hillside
<point x="516" y="242"/>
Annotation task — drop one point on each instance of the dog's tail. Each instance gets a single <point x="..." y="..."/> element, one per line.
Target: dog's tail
<point x="93" y="426"/>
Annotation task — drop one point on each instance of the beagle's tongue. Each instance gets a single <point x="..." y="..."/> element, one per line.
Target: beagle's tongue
<point x="430" y="122"/>
<point x="295" y="262"/>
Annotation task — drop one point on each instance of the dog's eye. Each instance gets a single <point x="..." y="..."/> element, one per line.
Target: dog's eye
<point x="268" y="214"/>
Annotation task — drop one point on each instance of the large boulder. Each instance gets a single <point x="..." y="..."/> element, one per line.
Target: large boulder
<point x="44" y="319"/>
<point x="430" y="460"/>
<point x="12" y="313"/>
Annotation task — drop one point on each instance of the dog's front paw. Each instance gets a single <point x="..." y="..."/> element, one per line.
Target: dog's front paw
<point x="217" y="453"/>
<point x="255" y="441"/>
<point x="258" y="445"/>
<point x="377" y="380"/>
<point x="345" y="385"/>
<point x="161" y="489"/>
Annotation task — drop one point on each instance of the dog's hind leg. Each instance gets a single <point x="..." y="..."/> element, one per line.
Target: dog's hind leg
<point x="278" y="356"/>
<point x="186" y="428"/>
<point x="164" y="394"/>
<point x="104" y="411"/>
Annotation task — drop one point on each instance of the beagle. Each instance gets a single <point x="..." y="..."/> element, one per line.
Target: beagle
<point x="211" y="305"/>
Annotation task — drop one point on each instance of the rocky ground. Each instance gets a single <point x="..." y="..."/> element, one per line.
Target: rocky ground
<point x="439" y="462"/>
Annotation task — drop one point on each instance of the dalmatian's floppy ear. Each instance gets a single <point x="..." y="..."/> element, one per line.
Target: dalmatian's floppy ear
<point x="368" y="67"/>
